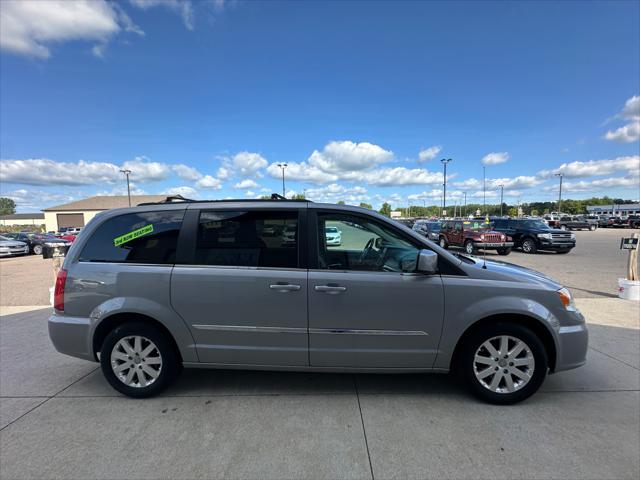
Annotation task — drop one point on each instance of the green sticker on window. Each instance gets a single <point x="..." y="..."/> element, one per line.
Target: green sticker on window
<point x="127" y="237"/>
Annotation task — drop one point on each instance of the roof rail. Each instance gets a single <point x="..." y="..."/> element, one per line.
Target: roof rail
<point x="170" y="199"/>
<point x="181" y="199"/>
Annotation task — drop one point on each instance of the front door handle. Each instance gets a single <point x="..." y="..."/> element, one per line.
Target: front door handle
<point x="284" y="287"/>
<point x="330" y="289"/>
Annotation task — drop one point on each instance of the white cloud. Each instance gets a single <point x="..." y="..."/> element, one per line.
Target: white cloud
<point x="399" y="176"/>
<point x="43" y="171"/>
<point x="630" y="132"/>
<point x="598" y="185"/>
<point x="495" y="158"/>
<point x="521" y="181"/>
<point x="223" y="173"/>
<point x="30" y="199"/>
<point x="209" y="182"/>
<point x="245" y="164"/>
<point x="429" y="153"/>
<point x="142" y="170"/>
<point x="184" y="8"/>
<point x="29" y="27"/>
<point x="593" y="168"/>
<point x="348" y="156"/>
<point x="186" y="172"/>
<point x="246" y="183"/>
<point x="335" y="192"/>
<point x="625" y="134"/>
<point x="187" y="192"/>
<point x="302" y="172"/>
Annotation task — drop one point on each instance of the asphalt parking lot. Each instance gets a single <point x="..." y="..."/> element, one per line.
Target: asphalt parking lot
<point x="60" y="419"/>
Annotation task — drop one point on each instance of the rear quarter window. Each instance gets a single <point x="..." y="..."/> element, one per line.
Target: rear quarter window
<point x="145" y="237"/>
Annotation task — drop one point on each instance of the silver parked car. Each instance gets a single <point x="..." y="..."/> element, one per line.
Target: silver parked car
<point x="149" y="289"/>
<point x="10" y="247"/>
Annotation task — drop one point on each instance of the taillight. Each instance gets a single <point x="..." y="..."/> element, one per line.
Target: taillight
<point x="58" y="293"/>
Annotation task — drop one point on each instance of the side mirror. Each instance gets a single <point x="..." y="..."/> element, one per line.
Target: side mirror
<point x="427" y="262"/>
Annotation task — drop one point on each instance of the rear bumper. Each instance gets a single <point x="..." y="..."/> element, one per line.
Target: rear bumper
<point x="71" y="336"/>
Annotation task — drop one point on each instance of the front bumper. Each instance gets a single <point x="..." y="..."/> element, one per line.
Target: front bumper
<point x="71" y="336"/>
<point x="483" y="245"/>
<point x="8" y="253"/>
<point x="551" y="245"/>
<point x="573" y="342"/>
<point x="335" y="241"/>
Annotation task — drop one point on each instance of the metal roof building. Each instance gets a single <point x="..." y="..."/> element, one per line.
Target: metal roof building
<point x="78" y="213"/>
<point x="618" y="210"/>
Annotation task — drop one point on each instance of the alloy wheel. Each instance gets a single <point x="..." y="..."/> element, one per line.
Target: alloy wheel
<point x="503" y="364"/>
<point x="136" y="361"/>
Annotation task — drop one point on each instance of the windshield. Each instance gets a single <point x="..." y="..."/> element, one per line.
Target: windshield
<point x="331" y="230"/>
<point x="477" y="225"/>
<point x="5" y="239"/>
<point x="537" y="224"/>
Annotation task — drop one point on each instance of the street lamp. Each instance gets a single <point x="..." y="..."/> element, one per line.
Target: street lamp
<point x="560" y="193"/>
<point x="444" y="184"/>
<point x="501" y="196"/>
<point x="484" y="188"/>
<point x="464" y="212"/>
<point x="283" y="166"/>
<point x="127" y="173"/>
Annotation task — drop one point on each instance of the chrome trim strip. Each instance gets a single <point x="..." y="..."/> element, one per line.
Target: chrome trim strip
<point x="249" y="328"/>
<point x="349" y="331"/>
<point x="571" y="329"/>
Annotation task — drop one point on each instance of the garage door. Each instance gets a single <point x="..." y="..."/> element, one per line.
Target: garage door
<point x="70" y="220"/>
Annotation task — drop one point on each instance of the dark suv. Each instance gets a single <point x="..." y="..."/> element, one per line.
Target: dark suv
<point x="473" y="235"/>
<point x="533" y="234"/>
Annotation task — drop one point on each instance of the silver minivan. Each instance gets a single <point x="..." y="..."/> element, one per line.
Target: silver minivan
<point x="255" y="284"/>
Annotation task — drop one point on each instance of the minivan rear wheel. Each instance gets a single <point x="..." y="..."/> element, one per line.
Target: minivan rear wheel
<point x="138" y="360"/>
<point x="503" y="363"/>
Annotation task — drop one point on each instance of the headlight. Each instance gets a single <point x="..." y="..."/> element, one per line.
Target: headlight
<point x="567" y="299"/>
<point x="545" y="235"/>
<point x="573" y="236"/>
<point x="4" y="249"/>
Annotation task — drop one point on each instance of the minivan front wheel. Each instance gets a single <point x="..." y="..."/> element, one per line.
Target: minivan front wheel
<point x="504" y="363"/>
<point x="138" y="360"/>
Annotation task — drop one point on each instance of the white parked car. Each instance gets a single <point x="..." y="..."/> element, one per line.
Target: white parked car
<point x="10" y="247"/>
<point x="334" y="236"/>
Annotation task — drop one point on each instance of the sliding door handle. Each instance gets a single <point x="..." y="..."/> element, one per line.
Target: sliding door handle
<point x="330" y="289"/>
<point x="284" y="287"/>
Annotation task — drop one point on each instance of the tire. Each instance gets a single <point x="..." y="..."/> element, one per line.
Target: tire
<point x="532" y="358"/>
<point x="504" y="251"/>
<point x="470" y="248"/>
<point x="529" y="245"/>
<point x="563" y="227"/>
<point x="443" y="243"/>
<point x="562" y="252"/>
<point x="37" y="249"/>
<point x="167" y="371"/>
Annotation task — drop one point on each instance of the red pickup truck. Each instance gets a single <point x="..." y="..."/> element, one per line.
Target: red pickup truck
<point x="473" y="235"/>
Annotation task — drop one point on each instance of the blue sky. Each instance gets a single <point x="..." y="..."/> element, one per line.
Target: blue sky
<point x="361" y="99"/>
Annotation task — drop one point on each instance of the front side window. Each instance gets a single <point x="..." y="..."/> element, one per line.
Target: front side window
<point x="146" y="237"/>
<point x="247" y="239"/>
<point x="364" y="245"/>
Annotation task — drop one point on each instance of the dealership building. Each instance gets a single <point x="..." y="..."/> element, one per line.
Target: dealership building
<point x="78" y="213"/>
<point x="618" y="210"/>
<point x="22" y="219"/>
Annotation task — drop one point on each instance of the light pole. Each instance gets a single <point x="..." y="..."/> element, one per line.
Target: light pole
<point x="484" y="189"/>
<point x="560" y="193"/>
<point x="283" y="166"/>
<point x="444" y="184"/>
<point x="127" y="173"/>
<point x="501" y="197"/>
<point x="464" y="212"/>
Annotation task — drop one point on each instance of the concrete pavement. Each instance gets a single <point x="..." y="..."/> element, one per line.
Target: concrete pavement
<point x="60" y="419"/>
